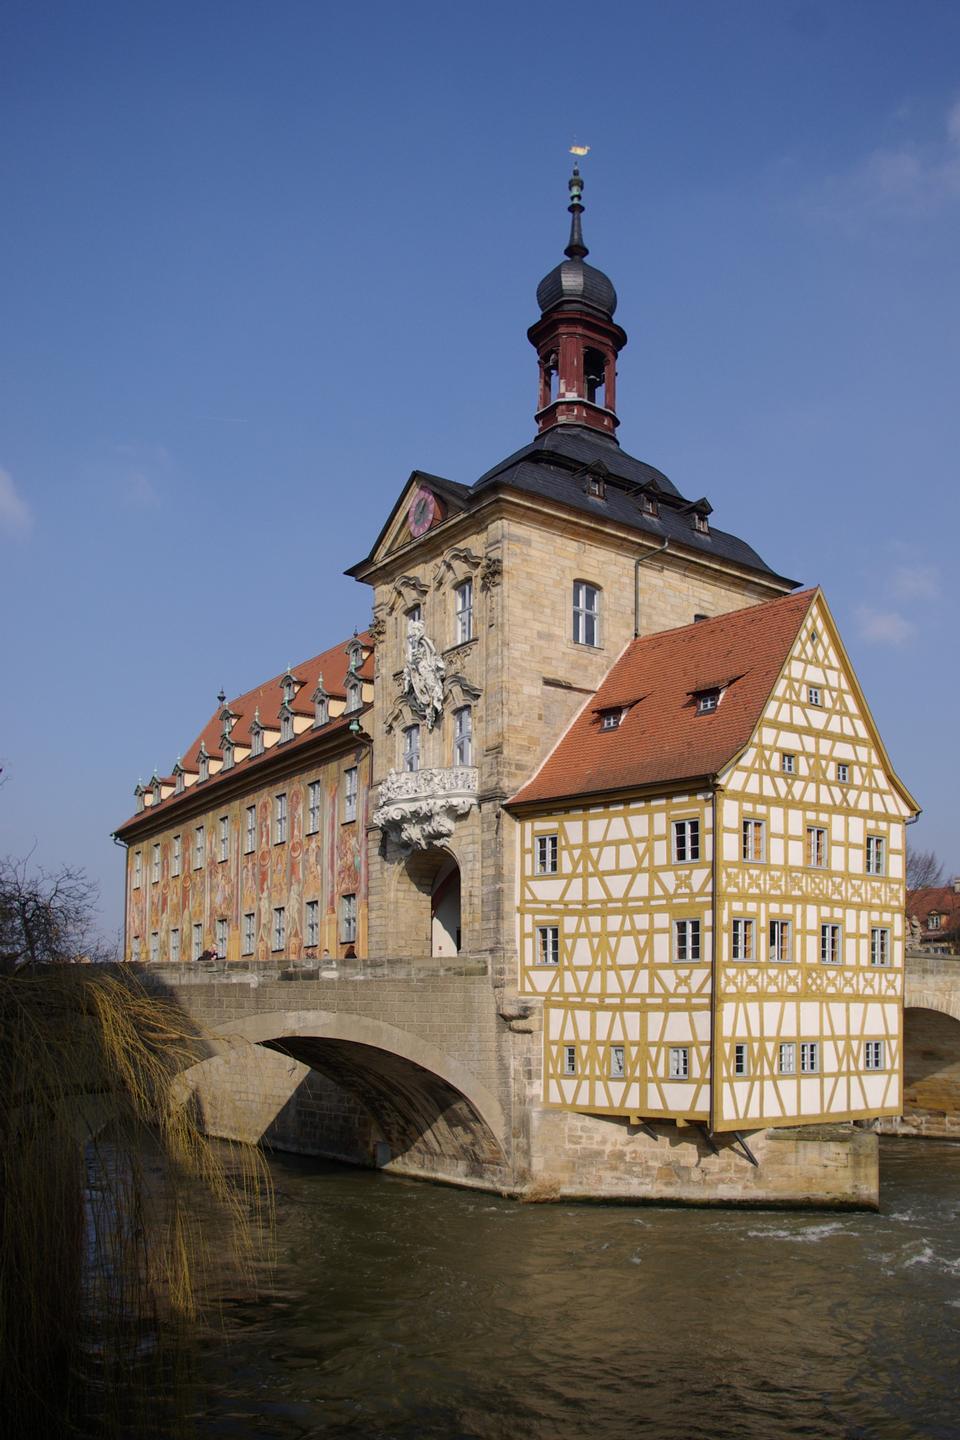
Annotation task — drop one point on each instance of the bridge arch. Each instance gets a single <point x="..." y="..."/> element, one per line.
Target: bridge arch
<point x="931" y="1056"/>
<point x="429" y="1111"/>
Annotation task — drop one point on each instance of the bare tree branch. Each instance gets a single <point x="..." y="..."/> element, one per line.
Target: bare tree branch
<point x="47" y="918"/>
<point x="924" y="870"/>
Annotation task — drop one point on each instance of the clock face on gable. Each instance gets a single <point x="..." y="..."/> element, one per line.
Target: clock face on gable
<point x="422" y="512"/>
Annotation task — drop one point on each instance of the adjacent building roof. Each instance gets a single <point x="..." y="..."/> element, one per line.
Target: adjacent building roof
<point x="263" y="703"/>
<point x="942" y="900"/>
<point x="662" y="737"/>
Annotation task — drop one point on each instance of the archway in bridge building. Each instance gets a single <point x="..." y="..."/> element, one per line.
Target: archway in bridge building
<point x="426" y="908"/>
<point x="352" y="1088"/>
<point x="931" y="1070"/>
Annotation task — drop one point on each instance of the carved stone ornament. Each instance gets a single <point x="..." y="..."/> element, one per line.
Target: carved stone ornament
<point x="490" y="571"/>
<point x="420" y="809"/>
<point x="423" y="672"/>
<point x="378" y="628"/>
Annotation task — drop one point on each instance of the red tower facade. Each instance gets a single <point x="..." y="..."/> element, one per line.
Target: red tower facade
<point x="576" y="338"/>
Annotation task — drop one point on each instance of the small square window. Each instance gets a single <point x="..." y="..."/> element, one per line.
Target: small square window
<point x="546" y="854"/>
<point x="843" y="774"/>
<point x="707" y="702"/>
<point x="616" y="1062"/>
<point x="569" y="1059"/>
<point x="788" y="763"/>
<point x="873" y="1055"/>
<point x="679" y="1062"/>
<point x="610" y="720"/>
<point x="814" y="695"/>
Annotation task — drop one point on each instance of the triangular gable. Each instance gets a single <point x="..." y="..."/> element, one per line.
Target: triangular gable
<point x="450" y="499"/>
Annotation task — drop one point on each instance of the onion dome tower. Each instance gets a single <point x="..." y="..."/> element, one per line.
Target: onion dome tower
<point x="576" y="339"/>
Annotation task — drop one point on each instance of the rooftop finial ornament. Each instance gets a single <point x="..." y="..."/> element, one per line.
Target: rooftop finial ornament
<point x="576" y="249"/>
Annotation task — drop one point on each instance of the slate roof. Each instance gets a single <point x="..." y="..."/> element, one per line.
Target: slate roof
<point x="662" y="738"/>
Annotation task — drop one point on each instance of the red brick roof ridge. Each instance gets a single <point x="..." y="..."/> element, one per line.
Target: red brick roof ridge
<point x="661" y="737"/>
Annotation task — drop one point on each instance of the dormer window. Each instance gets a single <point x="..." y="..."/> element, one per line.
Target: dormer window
<point x="707" y="701"/>
<point x="933" y="921"/>
<point x="596" y="487"/>
<point x="649" y="505"/>
<point x="354" y="695"/>
<point x="286" y="725"/>
<point x="203" y="763"/>
<point x="700" y="523"/>
<point x="157" y="795"/>
<point x="139" y="793"/>
<point x="256" y="736"/>
<point x="321" y="705"/>
<point x="354" y="656"/>
<point x="289" y="688"/>
<point x="610" y="719"/>
<point x="179" y="783"/>
<point x="228" y="755"/>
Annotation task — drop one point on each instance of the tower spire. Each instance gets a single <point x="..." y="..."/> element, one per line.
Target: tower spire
<point x="576" y="249"/>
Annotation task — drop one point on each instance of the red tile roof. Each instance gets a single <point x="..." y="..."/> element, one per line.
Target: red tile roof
<point x="268" y="698"/>
<point x="941" y="900"/>
<point x="661" y="738"/>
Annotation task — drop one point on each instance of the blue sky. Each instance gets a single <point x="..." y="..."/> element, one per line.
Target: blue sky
<point x="259" y="261"/>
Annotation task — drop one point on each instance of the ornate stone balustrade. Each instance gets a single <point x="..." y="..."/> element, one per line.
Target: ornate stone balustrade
<point x="419" y="808"/>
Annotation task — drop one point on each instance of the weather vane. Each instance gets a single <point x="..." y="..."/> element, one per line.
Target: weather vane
<point x="579" y="150"/>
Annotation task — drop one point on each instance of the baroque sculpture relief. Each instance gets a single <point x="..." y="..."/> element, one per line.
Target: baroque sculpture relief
<point x="423" y="672"/>
<point x="419" y="809"/>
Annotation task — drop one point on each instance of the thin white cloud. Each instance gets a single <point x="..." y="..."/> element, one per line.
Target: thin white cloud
<point x="911" y="180"/>
<point x="884" y="627"/>
<point x="16" y="517"/>
<point x="916" y="582"/>
<point x="139" y="491"/>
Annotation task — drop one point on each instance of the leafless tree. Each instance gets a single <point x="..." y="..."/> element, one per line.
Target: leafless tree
<point x="923" y="869"/>
<point x="47" y="917"/>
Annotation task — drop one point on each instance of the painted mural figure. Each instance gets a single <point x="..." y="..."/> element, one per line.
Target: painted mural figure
<point x="423" y="674"/>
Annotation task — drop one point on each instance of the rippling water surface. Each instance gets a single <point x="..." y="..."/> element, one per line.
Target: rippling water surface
<point x="399" y="1309"/>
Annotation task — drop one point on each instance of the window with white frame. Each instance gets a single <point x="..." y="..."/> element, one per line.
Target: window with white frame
<point x="197" y="941"/>
<point x="546" y="851"/>
<point x="781" y="941"/>
<point x="873" y="1055"/>
<point x="700" y="522"/>
<point x="313" y="807"/>
<point x="809" y="1057"/>
<point x="280" y="818"/>
<point x="686" y="841"/>
<point x="463" y="736"/>
<point x="740" y="1060"/>
<point x="224" y="838"/>
<point x="286" y="726"/>
<point x="354" y="695"/>
<point x="350" y="793"/>
<point x="256" y="739"/>
<point x="743" y="948"/>
<point x="135" y="949"/>
<point x="221" y="941"/>
<point x="348" y="918"/>
<point x="137" y="869"/>
<point x="843" y="774"/>
<point x="876" y="855"/>
<point x="686" y="940"/>
<point x="249" y="932"/>
<point x="227" y="749"/>
<point x="463" y="603"/>
<point x="279" y="937"/>
<point x="586" y="613"/>
<point x="569" y="1059"/>
<point x="250" y="830"/>
<point x="787" y="1058"/>
<point x="788" y="763"/>
<point x="617" y="1070"/>
<point x="155" y="868"/>
<point x="175" y="946"/>
<point x="816" y="847"/>
<point x="154" y="946"/>
<point x="321" y="707"/>
<point x="830" y="944"/>
<point x="679" y="1062"/>
<point x="814" y="695"/>
<point x="879" y="946"/>
<point x="933" y="921"/>
<point x="198" y="848"/>
<point x="548" y="945"/>
<point x="411" y="748"/>
<point x="610" y="719"/>
<point x="707" y="701"/>
<point x="753" y="840"/>
<point x="176" y="858"/>
<point x="311" y="925"/>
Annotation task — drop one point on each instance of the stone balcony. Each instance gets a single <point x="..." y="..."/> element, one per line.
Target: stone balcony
<point x="419" y="808"/>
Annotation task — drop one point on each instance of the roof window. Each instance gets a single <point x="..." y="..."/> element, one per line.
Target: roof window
<point x="610" y="719"/>
<point x="707" y="701"/>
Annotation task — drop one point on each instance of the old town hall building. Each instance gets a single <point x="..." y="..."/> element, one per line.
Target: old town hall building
<point x="592" y="739"/>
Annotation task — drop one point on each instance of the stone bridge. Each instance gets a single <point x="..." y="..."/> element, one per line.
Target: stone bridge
<point x="413" y="1065"/>
<point x="402" y="1064"/>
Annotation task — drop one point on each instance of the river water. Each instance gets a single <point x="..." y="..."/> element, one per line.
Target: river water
<point x="404" y="1310"/>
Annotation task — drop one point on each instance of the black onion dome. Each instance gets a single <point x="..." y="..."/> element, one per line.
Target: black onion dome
<point x="573" y="284"/>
